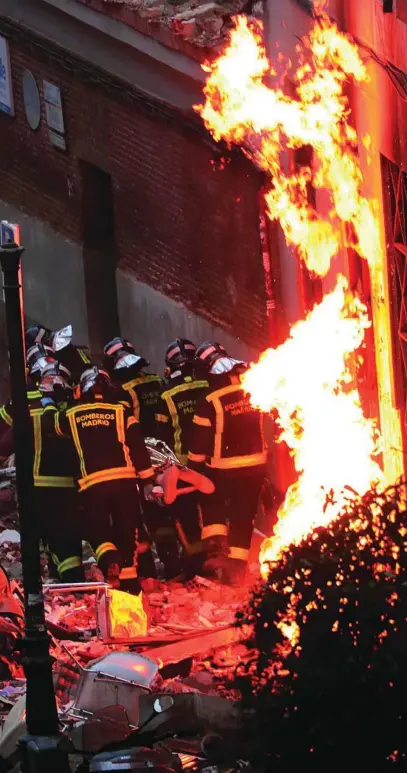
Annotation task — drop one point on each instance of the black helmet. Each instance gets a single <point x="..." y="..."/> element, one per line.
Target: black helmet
<point x="93" y="378"/>
<point x="38" y="357"/>
<point x="35" y="335"/>
<point x="180" y="353"/>
<point x="55" y="377"/>
<point x="120" y="353"/>
<point x="208" y="352"/>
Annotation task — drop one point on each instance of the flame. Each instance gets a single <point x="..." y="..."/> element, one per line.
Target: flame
<point x="241" y="107"/>
<point x="310" y="380"/>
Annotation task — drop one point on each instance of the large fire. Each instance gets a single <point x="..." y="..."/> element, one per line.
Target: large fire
<point x="241" y="107"/>
<point x="309" y="381"/>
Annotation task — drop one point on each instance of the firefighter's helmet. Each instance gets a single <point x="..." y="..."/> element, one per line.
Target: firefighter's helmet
<point x="38" y="357"/>
<point x="35" y="335"/>
<point x="214" y="359"/>
<point x="56" y="339"/>
<point x="59" y="339"/>
<point x="120" y="353"/>
<point x="209" y="352"/>
<point x="94" y="378"/>
<point x="55" y="377"/>
<point x="180" y="353"/>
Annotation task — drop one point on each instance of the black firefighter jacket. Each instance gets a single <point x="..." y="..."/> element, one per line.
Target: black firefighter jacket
<point x="227" y="430"/>
<point x="143" y="391"/>
<point x="54" y="462"/>
<point x="176" y="411"/>
<point x="107" y="439"/>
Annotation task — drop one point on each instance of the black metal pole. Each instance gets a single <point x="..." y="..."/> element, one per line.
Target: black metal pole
<point x="40" y="749"/>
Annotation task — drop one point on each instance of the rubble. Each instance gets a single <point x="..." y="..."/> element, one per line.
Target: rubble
<point x="197" y="27"/>
<point x="181" y="630"/>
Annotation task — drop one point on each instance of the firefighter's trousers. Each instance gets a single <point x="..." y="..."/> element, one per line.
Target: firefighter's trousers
<point x="174" y="525"/>
<point x="58" y="519"/>
<point x="160" y="526"/>
<point x="231" y="510"/>
<point x="111" y="516"/>
<point x="185" y="513"/>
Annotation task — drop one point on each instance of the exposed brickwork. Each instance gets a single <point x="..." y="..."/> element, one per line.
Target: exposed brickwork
<point x="184" y="226"/>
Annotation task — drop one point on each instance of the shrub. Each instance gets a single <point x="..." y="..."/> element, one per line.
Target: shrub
<point x="335" y="698"/>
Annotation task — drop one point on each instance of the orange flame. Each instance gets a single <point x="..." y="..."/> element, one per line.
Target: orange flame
<point x="241" y="107"/>
<point x="308" y="380"/>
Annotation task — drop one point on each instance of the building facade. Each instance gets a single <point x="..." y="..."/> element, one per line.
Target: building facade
<point x="133" y="219"/>
<point x="379" y="110"/>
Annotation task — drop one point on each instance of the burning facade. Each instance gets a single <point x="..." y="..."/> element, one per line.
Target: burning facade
<point x="376" y="105"/>
<point x="311" y="380"/>
<point x="332" y="182"/>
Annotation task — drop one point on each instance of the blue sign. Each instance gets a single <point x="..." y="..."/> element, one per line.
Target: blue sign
<point x="9" y="233"/>
<point x="6" y="94"/>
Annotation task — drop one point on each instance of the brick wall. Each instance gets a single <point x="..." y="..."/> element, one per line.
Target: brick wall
<point x="184" y="225"/>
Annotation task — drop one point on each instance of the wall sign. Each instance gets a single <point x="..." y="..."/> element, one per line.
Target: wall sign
<point x="54" y="114"/>
<point x="6" y="93"/>
<point x="32" y="101"/>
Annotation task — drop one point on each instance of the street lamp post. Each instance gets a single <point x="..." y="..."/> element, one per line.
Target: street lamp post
<point x="41" y="748"/>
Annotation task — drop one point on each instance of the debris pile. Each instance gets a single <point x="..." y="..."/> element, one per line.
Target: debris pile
<point x="200" y="25"/>
<point x="185" y="608"/>
<point x="73" y="613"/>
<point x="185" y="630"/>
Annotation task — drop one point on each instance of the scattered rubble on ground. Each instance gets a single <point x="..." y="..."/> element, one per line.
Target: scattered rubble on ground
<point x="190" y="635"/>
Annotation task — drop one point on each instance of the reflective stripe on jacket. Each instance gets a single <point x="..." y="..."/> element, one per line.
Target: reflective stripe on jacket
<point x="176" y="412"/>
<point x="108" y="442"/>
<point x="228" y="431"/>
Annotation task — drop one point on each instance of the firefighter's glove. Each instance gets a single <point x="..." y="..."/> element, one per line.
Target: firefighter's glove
<point x="153" y="493"/>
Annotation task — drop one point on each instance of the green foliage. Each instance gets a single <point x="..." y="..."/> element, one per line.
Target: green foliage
<point x="337" y="699"/>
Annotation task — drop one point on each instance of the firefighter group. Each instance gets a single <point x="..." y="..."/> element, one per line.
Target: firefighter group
<point x="93" y="477"/>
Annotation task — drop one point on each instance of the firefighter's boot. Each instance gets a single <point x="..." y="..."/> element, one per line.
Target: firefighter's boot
<point x="234" y="573"/>
<point x="145" y="558"/>
<point x="132" y="586"/>
<point x="113" y="576"/>
<point x="168" y="551"/>
<point x="193" y="564"/>
<point x="216" y="550"/>
<point x="129" y="581"/>
<point x="76" y="574"/>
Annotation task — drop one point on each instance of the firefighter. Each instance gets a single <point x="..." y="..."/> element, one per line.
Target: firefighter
<point x="142" y="389"/>
<point x="73" y="357"/>
<point x="110" y="454"/>
<point x="38" y="356"/>
<point x="126" y="368"/>
<point x="174" y="418"/>
<point x="56" y="498"/>
<point x="228" y="443"/>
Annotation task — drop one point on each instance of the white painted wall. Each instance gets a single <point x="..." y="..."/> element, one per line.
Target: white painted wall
<point x="152" y="320"/>
<point x="53" y="277"/>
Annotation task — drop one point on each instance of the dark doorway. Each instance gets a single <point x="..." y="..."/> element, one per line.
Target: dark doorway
<point x="99" y="256"/>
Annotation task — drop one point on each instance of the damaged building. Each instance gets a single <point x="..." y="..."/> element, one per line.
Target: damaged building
<point x="133" y="220"/>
